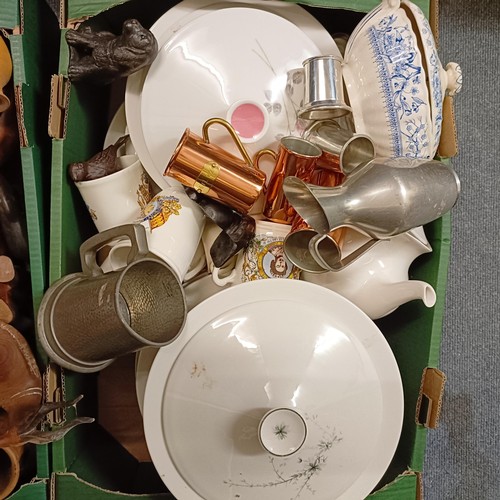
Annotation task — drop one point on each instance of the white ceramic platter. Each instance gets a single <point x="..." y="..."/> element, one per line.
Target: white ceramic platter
<point x="174" y="20"/>
<point x="230" y="63"/>
<point x="117" y="128"/>
<point x="283" y="345"/>
<point x="143" y="361"/>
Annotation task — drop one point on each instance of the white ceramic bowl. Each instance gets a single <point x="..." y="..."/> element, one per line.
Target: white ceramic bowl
<point x="395" y="81"/>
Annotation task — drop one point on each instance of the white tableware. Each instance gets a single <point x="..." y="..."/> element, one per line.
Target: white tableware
<point x="264" y="258"/>
<point x="175" y="19"/>
<point x="143" y="361"/>
<point x="377" y="282"/>
<point x="264" y="345"/>
<point x="174" y="224"/>
<point x="191" y="80"/>
<point x="118" y="128"/>
<point x="400" y="108"/>
<point x="195" y="291"/>
<point x="117" y="258"/>
<point x="117" y="198"/>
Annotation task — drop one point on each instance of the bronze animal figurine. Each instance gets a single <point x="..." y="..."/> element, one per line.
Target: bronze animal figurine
<point x="101" y="164"/>
<point x="237" y="229"/>
<point x="21" y="407"/>
<point x="100" y="57"/>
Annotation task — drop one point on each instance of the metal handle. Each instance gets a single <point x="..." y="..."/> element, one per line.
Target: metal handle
<point x="232" y="133"/>
<point x="88" y="249"/>
<point x="261" y="153"/>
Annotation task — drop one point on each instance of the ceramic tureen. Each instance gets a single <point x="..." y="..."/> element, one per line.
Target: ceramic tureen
<point x="395" y="81"/>
<point x="274" y="389"/>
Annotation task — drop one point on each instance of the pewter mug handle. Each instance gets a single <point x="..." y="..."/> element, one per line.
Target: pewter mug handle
<point x="88" y="249"/>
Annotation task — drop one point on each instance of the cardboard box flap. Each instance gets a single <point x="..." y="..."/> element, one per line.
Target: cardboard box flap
<point x="53" y="386"/>
<point x="10" y="15"/>
<point x="448" y="143"/>
<point x="430" y="398"/>
<point x="64" y="485"/>
<point x="36" y="489"/>
<point x="23" y="136"/>
<point x="59" y="98"/>
<point x="404" y="486"/>
<point x="78" y="10"/>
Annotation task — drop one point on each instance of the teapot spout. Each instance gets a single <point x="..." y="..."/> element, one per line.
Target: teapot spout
<point x="399" y="293"/>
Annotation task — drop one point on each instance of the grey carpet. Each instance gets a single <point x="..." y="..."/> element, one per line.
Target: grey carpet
<point x="463" y="454"/>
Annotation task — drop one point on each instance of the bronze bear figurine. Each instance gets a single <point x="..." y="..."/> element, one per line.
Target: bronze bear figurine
<point x="100" y="57"/>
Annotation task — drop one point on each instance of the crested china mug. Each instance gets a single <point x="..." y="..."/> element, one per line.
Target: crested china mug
<point x="263" y="258"/>
<point x="117" y="198"/>
<point x="174" y="225"/>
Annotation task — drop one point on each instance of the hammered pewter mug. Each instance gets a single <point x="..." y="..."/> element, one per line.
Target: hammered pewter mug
<point x="323" y="89"/>
<point x="343" y="150"/>
<point x="383" y="198"/>
<point x="296" y="157"/>
<point x="211" y="170"/>
<point x="88" y="319"/>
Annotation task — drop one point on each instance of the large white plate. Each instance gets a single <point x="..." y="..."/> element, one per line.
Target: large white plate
<point x="174" y="20"/>
<point x="273" y="344"/>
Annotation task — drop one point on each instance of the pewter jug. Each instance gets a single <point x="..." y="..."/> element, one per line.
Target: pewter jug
<point x="382" y="198"/>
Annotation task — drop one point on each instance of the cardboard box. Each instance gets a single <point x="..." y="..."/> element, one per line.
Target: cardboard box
<point x="22" y="24"/>
<point x="92" y="463"/>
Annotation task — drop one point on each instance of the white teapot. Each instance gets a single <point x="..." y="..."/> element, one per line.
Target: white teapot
<point x="377" y="281"/>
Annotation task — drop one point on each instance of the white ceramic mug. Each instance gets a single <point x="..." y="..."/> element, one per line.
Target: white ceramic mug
<point x="174" y="224"/>
<point x="263" y="258"/>
<point x="117" y="258"/>
<point x="117" y="198"/>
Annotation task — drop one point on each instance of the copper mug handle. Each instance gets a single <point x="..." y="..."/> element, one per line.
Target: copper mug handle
<point x="261" y="153"/>
<point x="232" y="133"/>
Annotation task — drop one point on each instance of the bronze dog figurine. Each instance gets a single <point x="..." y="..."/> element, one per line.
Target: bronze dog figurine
<point x="100" y="57"/>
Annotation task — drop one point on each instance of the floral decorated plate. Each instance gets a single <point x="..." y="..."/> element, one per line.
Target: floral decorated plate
<point x="175" y="19"/>
<point x="274" y="389"/>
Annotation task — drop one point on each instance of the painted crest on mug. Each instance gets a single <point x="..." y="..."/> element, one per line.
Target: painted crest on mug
<point x="159" y="209"/>
<point x="265" y="258"/>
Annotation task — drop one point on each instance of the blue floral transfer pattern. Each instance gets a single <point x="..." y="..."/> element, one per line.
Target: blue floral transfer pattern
<point x="433" y="70"/>
<point x="400" y="76"/>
